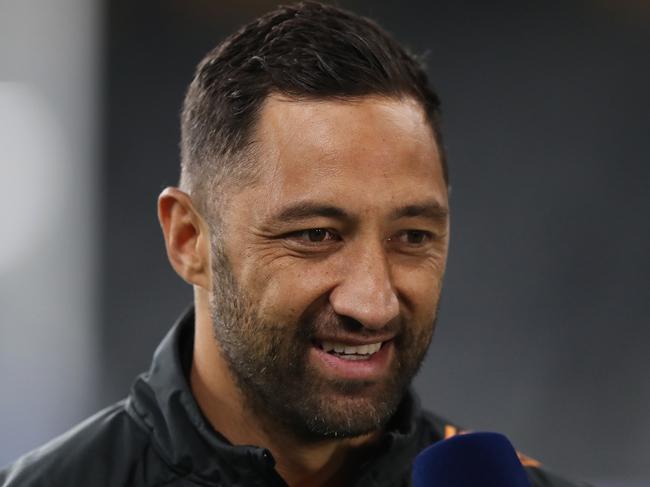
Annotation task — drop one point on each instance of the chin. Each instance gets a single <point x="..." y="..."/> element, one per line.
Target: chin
<point x="354" y="409"/>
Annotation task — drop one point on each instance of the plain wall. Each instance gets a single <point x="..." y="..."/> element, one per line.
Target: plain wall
<point x="543" y="332"/>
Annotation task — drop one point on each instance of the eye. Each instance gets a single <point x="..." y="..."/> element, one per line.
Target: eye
<point x="314" y="236"/>
<point x="413" y="237"/>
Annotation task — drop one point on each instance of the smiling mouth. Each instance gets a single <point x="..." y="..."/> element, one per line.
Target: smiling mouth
<point x="350" y="352"/>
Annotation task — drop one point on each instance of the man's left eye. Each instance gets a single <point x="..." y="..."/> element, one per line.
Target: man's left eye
<point x="413" y="237"/>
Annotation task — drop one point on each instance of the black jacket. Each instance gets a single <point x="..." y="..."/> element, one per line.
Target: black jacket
<point x="158" y="437"/>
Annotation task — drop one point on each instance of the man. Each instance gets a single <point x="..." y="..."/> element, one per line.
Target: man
<point x="312" y="221"/>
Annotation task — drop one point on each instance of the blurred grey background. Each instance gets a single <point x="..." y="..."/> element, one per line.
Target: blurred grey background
<point x="544" y="329"/>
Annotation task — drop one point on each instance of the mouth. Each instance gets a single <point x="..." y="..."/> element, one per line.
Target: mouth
<point x="351" y="352"/>
<point x="352" y="361"/>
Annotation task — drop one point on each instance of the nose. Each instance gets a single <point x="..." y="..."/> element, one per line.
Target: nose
<point x="365" y="292"/>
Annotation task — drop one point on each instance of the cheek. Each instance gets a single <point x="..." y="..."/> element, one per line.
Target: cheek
<point x="419" y="290"/>
<point x="284" y="293"/>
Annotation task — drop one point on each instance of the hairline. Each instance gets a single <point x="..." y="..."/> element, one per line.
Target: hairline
<point x="243" y="161"/>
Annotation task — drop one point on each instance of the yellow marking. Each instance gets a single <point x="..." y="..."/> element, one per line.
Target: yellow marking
<point x="527" y="461"/>
<point x="450" y="431"/>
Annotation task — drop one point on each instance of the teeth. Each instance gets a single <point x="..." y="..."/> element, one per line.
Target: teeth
<point x="351" y="350"/>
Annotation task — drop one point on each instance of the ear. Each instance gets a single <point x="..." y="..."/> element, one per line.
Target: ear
<point x="187" y="238"/>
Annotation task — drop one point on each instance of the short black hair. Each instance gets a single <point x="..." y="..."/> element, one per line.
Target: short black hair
<point x="306" y="51"/>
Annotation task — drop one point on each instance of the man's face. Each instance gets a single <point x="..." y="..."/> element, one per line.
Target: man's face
<point x="327" y="271"/>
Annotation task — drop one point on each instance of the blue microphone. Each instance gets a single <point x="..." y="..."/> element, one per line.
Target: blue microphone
<point x="470" y="460"/>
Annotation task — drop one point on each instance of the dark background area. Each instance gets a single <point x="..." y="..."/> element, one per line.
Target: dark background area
<point x="543" y="333"/>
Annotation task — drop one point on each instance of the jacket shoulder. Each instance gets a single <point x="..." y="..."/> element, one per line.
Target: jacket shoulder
<point x="108" y="448"/>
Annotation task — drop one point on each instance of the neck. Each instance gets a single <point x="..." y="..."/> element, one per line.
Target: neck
<point x="299" y="462"/>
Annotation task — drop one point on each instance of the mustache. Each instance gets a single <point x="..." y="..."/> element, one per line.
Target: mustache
<point x="327" y="322"/>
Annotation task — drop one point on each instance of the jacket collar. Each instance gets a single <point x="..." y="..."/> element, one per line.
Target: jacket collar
<point x="161" y="401"/>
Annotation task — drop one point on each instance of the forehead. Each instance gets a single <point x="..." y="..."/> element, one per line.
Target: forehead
<point x="375" y="149"/>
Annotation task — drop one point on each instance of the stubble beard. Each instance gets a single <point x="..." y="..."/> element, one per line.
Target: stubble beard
<point x="269" y="363"/>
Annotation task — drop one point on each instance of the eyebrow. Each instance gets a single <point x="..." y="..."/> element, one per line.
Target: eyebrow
<point x="430" y="209"/>
<point x="309" y="209"/>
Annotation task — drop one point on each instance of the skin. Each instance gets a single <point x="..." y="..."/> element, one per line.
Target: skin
<point x="378" y="265"/>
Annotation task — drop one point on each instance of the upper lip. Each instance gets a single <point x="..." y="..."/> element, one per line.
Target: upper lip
<point x="354" y="341"/>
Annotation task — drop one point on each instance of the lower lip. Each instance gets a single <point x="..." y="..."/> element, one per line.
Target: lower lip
<point x="372" y="368"/>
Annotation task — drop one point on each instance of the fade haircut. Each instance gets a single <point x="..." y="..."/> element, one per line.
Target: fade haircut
<point x="302" y="51"/>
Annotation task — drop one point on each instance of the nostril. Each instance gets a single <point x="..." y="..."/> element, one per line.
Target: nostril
<point x="350" y="324"/>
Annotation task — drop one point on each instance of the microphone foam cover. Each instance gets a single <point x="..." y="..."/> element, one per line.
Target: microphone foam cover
<point x="472" y="459"/>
